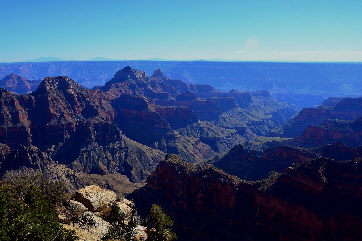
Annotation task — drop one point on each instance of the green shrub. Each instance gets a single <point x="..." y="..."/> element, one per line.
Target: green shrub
<point x="20" y="181"/>
<point x="30" y="216"/>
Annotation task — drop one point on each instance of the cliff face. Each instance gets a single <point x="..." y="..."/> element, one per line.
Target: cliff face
<point x="202" y="196"/>
<point x="51" y="113"/>
<point x="334" y="109"/>
<point x="76" y="127"/>
<point x="315" y="200"/>
<point x="248" y="165"/>
<point x="331" y="131"/>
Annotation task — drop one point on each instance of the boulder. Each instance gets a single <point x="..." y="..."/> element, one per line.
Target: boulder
<point x="77" y="206"/>
<point x="93" y="197"/>
<point x="139" y="233"/>
<point x="90" y="227"/>
<point x="125" y="207"/>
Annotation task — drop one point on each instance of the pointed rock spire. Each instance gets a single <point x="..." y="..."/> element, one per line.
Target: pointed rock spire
<point x="127" y="73"/>
<point x="158" y="73"/>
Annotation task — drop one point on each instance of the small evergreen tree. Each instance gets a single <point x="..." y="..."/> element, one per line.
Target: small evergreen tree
<point x="122" y="226"/>
<point x="158" y="225"/>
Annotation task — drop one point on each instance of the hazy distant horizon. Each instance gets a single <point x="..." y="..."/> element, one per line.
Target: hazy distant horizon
<point x="267" y="31"/>
<point x="101" y="59"/>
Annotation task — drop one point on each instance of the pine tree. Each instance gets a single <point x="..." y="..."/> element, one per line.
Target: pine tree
<point x="158" y="225"/>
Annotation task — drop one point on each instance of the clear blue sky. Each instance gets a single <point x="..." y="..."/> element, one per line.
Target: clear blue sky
<point x="282" y="30"/>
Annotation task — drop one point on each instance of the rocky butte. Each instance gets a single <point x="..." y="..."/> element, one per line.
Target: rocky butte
<point x="18" y="84"/>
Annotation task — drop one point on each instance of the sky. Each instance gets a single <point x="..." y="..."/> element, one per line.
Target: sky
<point x="241" y="30"/>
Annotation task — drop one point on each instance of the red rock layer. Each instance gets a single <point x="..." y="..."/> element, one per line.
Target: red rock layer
<point x="315" y="200"/>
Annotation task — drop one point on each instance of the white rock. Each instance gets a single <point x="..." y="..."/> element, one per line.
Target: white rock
<point x="139" y="233"/>
<point x="77" y="206"/>
<point x="93" y="224"/>
<point x="94" y="197"/>
<point x="124" y="208"/>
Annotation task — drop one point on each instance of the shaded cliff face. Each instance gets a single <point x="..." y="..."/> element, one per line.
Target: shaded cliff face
<point x="252" y="166"/>
<point x="314" y="200"/>
<point x="75" y="126"/>
<point x="249" y="165"/>
<point x="330" y="131"/>
<point x="334" y="109"/>
<point x="195" y="198"/>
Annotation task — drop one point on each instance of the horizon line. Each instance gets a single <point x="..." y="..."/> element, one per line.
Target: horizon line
<point x="181" y="60"/>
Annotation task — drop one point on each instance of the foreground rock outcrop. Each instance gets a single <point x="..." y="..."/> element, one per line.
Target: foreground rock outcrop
<point x="88" y="212"/>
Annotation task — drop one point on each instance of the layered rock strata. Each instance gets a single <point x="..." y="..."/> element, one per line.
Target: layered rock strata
<point x="314" y="200"/>
<point x="127" y="125"/>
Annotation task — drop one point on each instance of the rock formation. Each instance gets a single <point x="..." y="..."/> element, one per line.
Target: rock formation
<point x="18" y="84"/>
<point x="94" y="198"/>
<point x="331" y="131"/>
<point x="314" y="200"/>
<point x="88" y="212"/>
<point x="332" y="109"/>
<point x="127" y="125"/>
<point x="253" y="166"/>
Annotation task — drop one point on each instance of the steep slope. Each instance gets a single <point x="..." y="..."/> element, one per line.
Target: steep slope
<point x="75" y="126"/>
<point x="315" y="200"/>
<point x="331" y="131"/>
<point x="253" y="166"/>
<point x="345" y="109"/>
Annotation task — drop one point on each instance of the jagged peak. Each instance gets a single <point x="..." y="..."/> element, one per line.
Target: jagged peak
<point x="13" y="76"/>
<point x="157" y="73"/>
<point x="127" y="73"/>
<point x="60" y="83"/>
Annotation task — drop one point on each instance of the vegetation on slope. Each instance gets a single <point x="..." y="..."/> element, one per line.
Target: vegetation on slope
<point x="27" y="208"/>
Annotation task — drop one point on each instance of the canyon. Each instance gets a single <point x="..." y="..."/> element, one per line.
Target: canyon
<point x="314" y="200"/>
<point x="129" y="124"/>
<point x="225" y="165"/>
